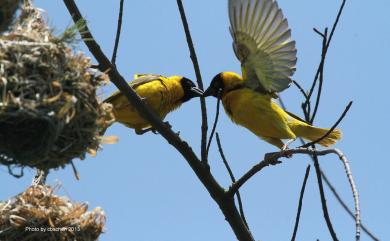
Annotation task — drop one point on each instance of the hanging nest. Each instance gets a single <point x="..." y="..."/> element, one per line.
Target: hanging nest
<point x="8" y="9"/>
<point x="39" y="215"/>
<point x="49" y="111"/>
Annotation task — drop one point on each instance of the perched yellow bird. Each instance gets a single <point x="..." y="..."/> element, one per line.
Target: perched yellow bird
<point x="262" y="42"/>
<point x="161" y="94"/>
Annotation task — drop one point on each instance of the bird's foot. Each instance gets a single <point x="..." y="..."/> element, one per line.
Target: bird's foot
<point x="143" y="131"/>
<point x="168" y="124"/>
<point x="285" y="148"/>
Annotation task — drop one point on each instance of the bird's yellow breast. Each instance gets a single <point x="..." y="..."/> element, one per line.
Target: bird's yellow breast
<point x="161" y="95"/>
<point x="258" y="113"/>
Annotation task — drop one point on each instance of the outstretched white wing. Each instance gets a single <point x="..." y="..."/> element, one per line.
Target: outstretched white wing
<point x="263" y="44"/>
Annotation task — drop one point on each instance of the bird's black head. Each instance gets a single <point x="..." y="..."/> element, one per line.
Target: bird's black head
<point x="216" y="86"/>
<point x="190" y="89"/>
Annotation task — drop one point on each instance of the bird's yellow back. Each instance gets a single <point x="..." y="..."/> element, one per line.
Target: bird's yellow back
<point x="162" y="95"/>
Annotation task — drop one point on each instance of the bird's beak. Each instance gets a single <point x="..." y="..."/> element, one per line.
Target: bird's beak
<point x="210" y="92"/>
<point x="196" y="92"/>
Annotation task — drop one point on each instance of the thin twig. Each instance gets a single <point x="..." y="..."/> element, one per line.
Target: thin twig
<point x="75" y="172"/>
<point x="335" y="193"/>
<point x="226" y="163"/>
<point x="272" y="158"/>
<point x="326" y="50"/>
<point x="198" y="80"/>
<point x="321" y="78"/>
<point x="300" y="89"/>
<point x="118" y="32"/>
<point x="336" y="22"/>
<point x="323" y="199"/>
<point x="300" y="203"/>
<point x="355" y="193"/>
<point x="215" y="123"/>
<point x="332" y="128"/>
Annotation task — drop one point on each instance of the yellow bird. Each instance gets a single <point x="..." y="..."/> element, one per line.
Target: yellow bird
<point x="161" y="94"/>
<point x="262" y="42"/>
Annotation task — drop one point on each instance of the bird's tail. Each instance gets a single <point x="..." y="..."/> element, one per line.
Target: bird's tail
<point x="312" y="133"/>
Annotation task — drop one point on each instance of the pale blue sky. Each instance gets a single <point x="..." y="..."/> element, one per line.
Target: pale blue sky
<point x="148" y="191"/>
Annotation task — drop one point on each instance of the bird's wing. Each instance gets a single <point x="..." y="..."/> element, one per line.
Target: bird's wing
<point x="262" y="42"/>
<point x="139" y="80"/>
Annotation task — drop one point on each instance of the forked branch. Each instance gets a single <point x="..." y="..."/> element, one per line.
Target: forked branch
<point x="273" y="159"/>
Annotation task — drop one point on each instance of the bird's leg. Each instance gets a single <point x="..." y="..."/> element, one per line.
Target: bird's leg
<point x="285" y="147"/>
<point x="143" y="131"/>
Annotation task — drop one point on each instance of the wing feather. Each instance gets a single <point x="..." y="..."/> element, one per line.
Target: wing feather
<point x="262" y="42"/>
<point x="139" y="79"/>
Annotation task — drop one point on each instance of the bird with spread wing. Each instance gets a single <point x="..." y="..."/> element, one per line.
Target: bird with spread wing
<point x="262" y="43"/>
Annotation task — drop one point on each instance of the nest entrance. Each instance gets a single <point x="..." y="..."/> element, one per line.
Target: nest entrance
<point x="25" y="136"/>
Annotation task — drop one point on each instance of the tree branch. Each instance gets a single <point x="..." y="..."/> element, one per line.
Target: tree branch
<point x="300" y="203"/>
<point x="306" y="107"/>
<point x="225" y="202"/>
<point x="331" y="129"/>
<point x="307" y="102"/>
<point x="118" y="32"/>
<point x="198" y="80"/>
<point x="273" y="158"/>
<point x="334" y="192"/>
<point x="321" y="79"/>
<point x="323" y="199"/>
<point x="225" y="162"/>
<point x="215" y="123"/>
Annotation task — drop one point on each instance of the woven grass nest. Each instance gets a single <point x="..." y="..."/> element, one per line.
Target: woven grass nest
<point x="49" y="111"/>
<point x="39" y="215"/>
<point x="8" y="9"/>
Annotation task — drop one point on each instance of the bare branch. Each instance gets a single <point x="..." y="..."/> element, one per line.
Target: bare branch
<point x="332" y="128"/>
<point x="323" y="199"/>
<point x="355" y="193"/>
<point x="321" y="79"/>
<point x="225" y="202"/>
<point x="334" y="192"/>
<point x="272" y="158"/>
<point x="118" y="32"/>
<point x="225" y="162"/>
<point x="300" y="203"/>
<point x="198" y="80"/>
<point x="215" y="123"/>
<point x="300" y="89"/>
<point x="75" y="172"/>
<point x="325" y="52"/>
<point x="345" y="207"/>
<point x="336" y="22"/>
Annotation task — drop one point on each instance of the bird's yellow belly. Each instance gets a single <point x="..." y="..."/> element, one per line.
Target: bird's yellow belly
<point x="257" y="113"/>
<point x="130" y="118"/>
<point x="126" y="114"/>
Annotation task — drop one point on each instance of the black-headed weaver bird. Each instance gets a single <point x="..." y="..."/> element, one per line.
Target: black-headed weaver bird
<point x="262" y="42"/>
<point x="161" y="94"/>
